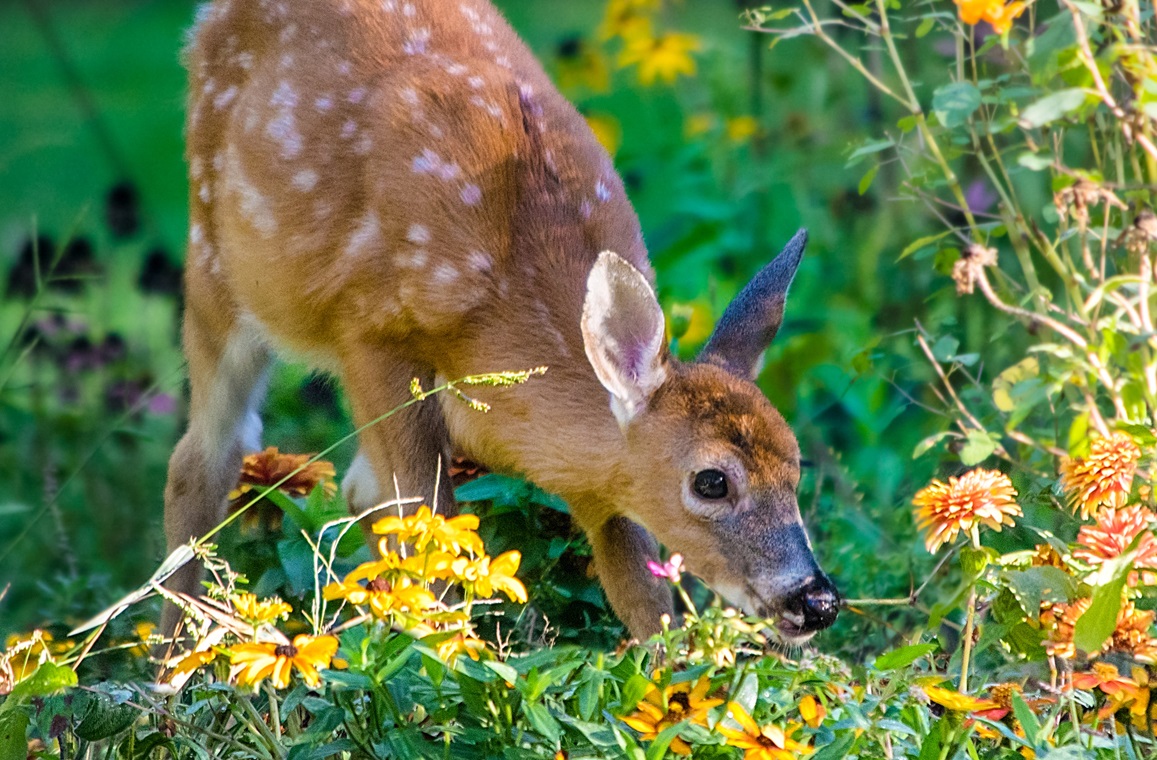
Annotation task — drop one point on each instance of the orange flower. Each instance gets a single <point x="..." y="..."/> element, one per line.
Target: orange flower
<point x="463" y="642"/>
<point x="1059" y="619"/>
<point x="1112" y="534"/>
<point x="1131" y="635"/>
<point x="978" y="496"/>
<point x="269" y="467"/>
<point x="768" y="742"/>
<point x="995" y="12"/>
<point x="1105" y="677"/>
<point x="1102" y="479"/>
<point x="253" y="663"/>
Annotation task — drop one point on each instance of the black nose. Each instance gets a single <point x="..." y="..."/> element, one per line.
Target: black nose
<point x="817" y="603"/>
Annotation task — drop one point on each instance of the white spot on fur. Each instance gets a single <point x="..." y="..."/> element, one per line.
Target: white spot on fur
<point x="323" y="103"/>
<point x="254" y="206"/>
<point x="364" y="145"/>
<point x="476" y="82"/>
<point x="479" y="261"/>
<point x="448" y="172"/>
<point x="283" y="126"/>
<point x="357" y="95"/>
<point x="456" y="69"/>
<point x="196" y="234"/>
<point x="344" y="68"/>
<point x="585" y="209"/>
<point x="305" y="180"/>
<point x="445" y="273"/>
<point x="418" y="234"/>
<point x="196" y="167"/>
<point x="410" y="95"/>
<point x="602" y="192"/>
<point x="244" y="60"/>
<point x="469" y="12"/>
<point x="503" y="61"/>
<point x="348" y="129"/>
<point x="409" y="10"/>
<point x="224" y="98"/>
<point x="417" y="42"/>
<point x="367" y="235"/>
<point x="415" y="260"/>
<point x="426" y="163"/>
<point x="204" y="194"/>
<point x="471" y="194"/>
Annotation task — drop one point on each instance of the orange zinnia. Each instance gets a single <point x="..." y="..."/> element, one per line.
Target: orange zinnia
<point x="1112" y="534"/>
<point x="996" y="12"/>
<point x="1103" y="478"/>
<point x="270" y="467"/>
<point x="978" y="496"/>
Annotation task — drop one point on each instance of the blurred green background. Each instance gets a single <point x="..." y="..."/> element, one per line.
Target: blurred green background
<point x="91" y="387"/>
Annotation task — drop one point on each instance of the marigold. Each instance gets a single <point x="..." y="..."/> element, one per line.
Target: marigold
<point x="266" y="468"/>
<point x="253" y="663"/>
<point x="769" y="742"/>
<point x="996" y="12"/>
<point x="664" y="57"/>
<point x="1112" y="534"/>
<point x="662" y="708"/>
<point x="978" y="496"/>
<point x="1103" y="478"/>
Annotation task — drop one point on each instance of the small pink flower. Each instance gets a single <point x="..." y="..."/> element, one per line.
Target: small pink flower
<point x="672" y="569"/>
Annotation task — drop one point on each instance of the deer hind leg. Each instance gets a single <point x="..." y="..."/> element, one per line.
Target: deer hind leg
<point x="621" y="551"/>
<point x="228" y="370"/>
<point x="405" y="455"/>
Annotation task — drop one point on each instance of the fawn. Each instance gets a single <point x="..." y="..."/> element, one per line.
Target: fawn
<point x="394" y="190"/>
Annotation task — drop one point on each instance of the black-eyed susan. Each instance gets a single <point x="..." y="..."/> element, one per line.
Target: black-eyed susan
<point x="664" y="57"/>
<point x="977" y="497"/>
<point x="660" y="709"/>
<point x="258" y="612"/>
<point x="253" y="663"/>
<point x="1104" y="478"/>
<point x="485" y="576"/>
<point x="767" y="742"/>
<point x="383" y="597"/>
<point x="456" y="534"/>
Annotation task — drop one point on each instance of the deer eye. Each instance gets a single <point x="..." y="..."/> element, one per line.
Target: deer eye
<point x="711" y="484"/>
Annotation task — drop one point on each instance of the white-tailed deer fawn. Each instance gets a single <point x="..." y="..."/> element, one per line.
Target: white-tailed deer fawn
<point x="393" y="189"/>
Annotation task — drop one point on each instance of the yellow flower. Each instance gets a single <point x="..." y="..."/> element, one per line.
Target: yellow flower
<point x="1102" y="479"/>
<point x="995" y="12"/>
<point x="485" y="576"/>
<point x="259" y="612"/>
<point x="628" y="19"/>
<point x="606" y="130"/>
<point x="661" y="709"/>
<point x="582" y="65"/>
<point x="664" y="57"/>
<point x="383" y="597"/>
<point x="812" y="711"/>
<point x="144" y="630"/>
<point x="428" y="566"/>
<point x="768" y="742"/>
<point x="22" y="656"/>
<point x="698" y="124"/>
<point x="742" y="128"/>
<point x="253" y="663"/>
<point x="191" y="662"/>
<point x="957" y="702"/>
<point x="424" y="528"/>
<point x="978" y="496"/>
<point x="463" y="642"/>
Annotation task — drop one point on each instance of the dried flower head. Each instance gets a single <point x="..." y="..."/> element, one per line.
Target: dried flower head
<point x="1103" y="478"/>
<point x="1112" y="534"/>
<point x="967" y="269"/>
<point x="271" y="467"/>
<point x="976" y="497"/>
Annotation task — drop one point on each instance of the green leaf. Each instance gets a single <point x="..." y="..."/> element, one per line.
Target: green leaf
<point x="1027" y="718"/>
<point x="13" y="733"/>
<point x="1052" y="107"/>
<point x="48" y="679"/>
<point x="658" y="748"/>
<point x="926" y="444"/>
<point x="1039" y="584"/>
<point x="1035" y="161"/>
<point x="868" y="178"/>
<point x="925" y="27"/>
<point x="978" y="446"/>
<point x="904" y="656"/>
<point x="955" y="103"/>
<point x="919" y="243"/>
<point x="104" y="718"/>
<point x="1002" y="385"/>
<point x="1095" y="627"/>
<point x="869" y="149"/>
<point x="837" y="750"/>
<point x="542" y="721"/>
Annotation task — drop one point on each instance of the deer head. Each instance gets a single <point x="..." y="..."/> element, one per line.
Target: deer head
<point x="717" y="467"/>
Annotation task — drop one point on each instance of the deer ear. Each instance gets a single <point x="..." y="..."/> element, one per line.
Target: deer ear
<point x="751" y="321"/>
<point x="624" y="335"/>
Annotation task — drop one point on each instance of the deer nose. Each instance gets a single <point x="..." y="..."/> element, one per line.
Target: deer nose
<point x="817" y="603"/>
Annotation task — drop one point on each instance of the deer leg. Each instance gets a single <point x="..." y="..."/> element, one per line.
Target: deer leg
<point x="406" y="455"/>
<point x="228" y="368"/>
<point x="622" y="549"/>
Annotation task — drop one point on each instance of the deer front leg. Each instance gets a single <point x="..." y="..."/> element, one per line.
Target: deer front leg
<point x="405" y="455"/>
<point x="622" y="549"/>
